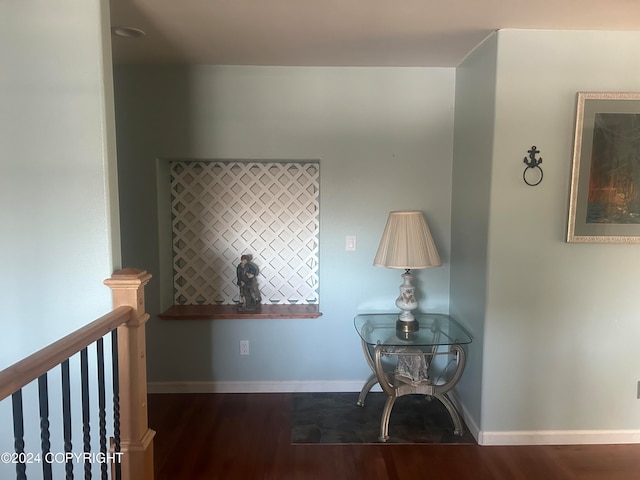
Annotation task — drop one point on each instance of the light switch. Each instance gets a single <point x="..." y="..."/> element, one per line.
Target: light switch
<point x="351" y="243"/>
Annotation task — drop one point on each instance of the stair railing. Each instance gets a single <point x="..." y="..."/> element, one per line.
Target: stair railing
<point x="130" y="453"/>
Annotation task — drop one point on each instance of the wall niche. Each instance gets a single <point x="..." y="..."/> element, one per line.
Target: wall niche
<point x="221" y="210"/>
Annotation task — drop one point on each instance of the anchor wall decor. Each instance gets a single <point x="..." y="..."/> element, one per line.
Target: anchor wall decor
<point x="532" y="163"/>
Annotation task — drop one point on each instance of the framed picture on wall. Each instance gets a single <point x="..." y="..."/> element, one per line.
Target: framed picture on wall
<point x="604" y="204"/>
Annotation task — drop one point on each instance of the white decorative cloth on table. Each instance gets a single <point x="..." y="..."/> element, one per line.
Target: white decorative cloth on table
<point x="412" y="368"/>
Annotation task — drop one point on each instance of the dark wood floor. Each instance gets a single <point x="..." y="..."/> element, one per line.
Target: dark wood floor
<point x="247" y="437"/>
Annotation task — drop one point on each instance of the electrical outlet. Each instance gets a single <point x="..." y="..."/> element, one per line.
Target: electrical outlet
<point x="244" y="347"/>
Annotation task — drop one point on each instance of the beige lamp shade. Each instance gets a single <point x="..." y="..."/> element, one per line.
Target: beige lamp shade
<point x="407" y="243"/>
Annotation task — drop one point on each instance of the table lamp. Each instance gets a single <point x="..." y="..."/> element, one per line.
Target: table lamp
<point x="407" y="244"/>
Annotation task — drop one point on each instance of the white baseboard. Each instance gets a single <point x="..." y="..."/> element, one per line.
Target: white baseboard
<point x="544" y="437"/>
<point x="258" y="387"/>
<point x="559" y="437"/>
<point x="485" y="438"/>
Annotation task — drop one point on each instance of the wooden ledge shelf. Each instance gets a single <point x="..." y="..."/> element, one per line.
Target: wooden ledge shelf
<point x="219" y="312"/>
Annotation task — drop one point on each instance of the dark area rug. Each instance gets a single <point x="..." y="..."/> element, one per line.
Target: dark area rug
<point x="334" y="418"/>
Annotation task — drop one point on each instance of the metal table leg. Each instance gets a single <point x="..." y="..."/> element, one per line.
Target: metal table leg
<point x="371" y="381"/>
<point x="395" y="388"/>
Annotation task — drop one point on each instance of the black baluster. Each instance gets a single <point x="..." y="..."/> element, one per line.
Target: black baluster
<point x="116" y="403"/>
<point x="66" y="418"/>
<point x="43" y="399"/>
<point x="18" y="435"/>
<point x="86" y="428"/>
<point x="102" y="409"/>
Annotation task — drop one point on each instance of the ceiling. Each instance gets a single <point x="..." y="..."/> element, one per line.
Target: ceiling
<point x="425" y="33"/>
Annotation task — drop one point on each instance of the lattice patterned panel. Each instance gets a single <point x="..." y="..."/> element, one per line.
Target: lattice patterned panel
<point x="221" y="210"/>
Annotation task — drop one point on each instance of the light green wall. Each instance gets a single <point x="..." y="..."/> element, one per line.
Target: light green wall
<point x="58" y="239"/>
<point x="562" y="320"/>
<point x="384" y="139"/>
<point x="473" y="154"/>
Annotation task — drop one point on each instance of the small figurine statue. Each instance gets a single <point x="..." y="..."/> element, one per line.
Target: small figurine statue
<point x="247" y="272"/>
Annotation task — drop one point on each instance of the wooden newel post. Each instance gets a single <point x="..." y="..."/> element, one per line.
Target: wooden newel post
<point x="136" y="438"/>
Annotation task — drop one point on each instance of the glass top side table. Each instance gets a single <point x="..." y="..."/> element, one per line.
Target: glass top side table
<point x="415" y="365"/>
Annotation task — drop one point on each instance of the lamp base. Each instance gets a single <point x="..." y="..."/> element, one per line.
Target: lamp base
<point x="407" y="326"/>
<point x="407" y="302"/>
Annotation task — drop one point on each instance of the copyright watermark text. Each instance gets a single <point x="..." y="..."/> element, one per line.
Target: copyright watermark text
<point x="60" y="457"/>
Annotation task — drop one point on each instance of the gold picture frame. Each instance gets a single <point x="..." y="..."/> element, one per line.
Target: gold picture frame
<point x="604" y="204"/>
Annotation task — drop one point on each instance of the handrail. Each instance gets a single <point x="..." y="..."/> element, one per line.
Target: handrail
<point x="23" y="372"/>
<point x="127" y="321"/>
